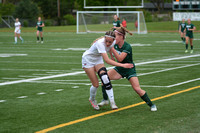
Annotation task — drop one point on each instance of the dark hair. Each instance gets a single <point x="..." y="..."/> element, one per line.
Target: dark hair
<point x="110" y="33"/>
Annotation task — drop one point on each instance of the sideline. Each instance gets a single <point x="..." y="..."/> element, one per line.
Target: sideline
<point x="112" y="111"/>
<point x="81" y="72"/>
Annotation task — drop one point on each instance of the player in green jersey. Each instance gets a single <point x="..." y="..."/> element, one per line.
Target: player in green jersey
<point x="189" y="35"/>
<point x="123" y="53"/>
<point x="182" y="27"/>
<point x="116" y="22"/>
<point x="39" y="27"/>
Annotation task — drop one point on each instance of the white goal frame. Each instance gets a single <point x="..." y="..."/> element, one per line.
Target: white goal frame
<point x="142" y="5"/>
<point x="112" y="12"/>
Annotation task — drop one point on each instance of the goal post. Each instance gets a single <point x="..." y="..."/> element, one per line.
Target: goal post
<point x="102" y="21"/>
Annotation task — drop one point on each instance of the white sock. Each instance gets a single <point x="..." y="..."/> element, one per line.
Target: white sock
<point x="15" y="39"/>
<point x="20" y="38"/>
<point x="110" y="95"/>
<point x="93" y="91"/>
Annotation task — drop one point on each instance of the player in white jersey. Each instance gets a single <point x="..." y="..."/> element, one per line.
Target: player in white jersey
<point x="92" y="63"/>
<point x="18" y="30"/>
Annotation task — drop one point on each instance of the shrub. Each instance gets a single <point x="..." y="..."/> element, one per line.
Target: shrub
<point x="25" y="23"/>
<point x="70" y="19"/>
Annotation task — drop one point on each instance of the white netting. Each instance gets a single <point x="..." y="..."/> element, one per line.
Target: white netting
<point x="101" y="21"/>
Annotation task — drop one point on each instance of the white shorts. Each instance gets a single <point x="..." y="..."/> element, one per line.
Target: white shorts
<point x="18" y="31"/>
<point x="88" y="64"/>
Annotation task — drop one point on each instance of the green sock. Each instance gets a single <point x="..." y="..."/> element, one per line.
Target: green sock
<point x="105" y="96"/>
<point x="146" y="99"/>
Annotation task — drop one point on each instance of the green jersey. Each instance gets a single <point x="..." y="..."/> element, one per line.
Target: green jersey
<point x="39" y="23"/>
<point x="116" y="23"/>
<point x="126" y="72"/>
<point x="183" y="26"/>
<point x="127" y="49"/>
<point x="189" y="33"/>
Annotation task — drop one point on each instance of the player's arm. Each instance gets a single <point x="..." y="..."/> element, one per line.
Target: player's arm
<point x="42" y="25"/>
<point x="111" y="55"/>
<point x="179" y="28"/>
<point x="119" y="57"/>
<point x="194" y="28"/>
<point x="114" y="63"/>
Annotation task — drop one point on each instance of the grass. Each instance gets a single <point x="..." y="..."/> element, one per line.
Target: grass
<point x="46" y="107"/>
<point x="151" y="27"/>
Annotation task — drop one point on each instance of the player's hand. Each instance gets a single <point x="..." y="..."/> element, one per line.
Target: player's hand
<point x="128" y="65"/>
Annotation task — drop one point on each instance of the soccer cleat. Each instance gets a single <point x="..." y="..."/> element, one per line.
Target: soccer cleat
<point x="113" y="106"/>
<point x="153" y="107"/>
<point x="191" y="51"/>
<point x="42" y="42"/>
<point x="15" y="42"/>
<point x="94" y="104"/>
<point x="38" y="41"/>
<point x="22" y="40"/>
<point x="103" y="102"/>
<point x="186" y="51"/>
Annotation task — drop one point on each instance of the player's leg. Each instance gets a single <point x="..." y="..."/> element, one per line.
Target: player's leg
<point x="93" y="89"/>
<point x="113" y="75"/>
<point x="102" y="72"/>
<point x="186" y="44"/>
<point x="20" y="38"/>
<point x="37" y="34"/>
<point x="182" y="37"/>
<point x="136" y="86"/>
<point x="15" y="38"/>
<point x="191" y="45"/>
<point x="41" y="36"/>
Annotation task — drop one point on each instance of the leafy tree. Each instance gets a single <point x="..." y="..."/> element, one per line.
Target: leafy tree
<point x="7" y="9"/>
<point x="26" y="9"/>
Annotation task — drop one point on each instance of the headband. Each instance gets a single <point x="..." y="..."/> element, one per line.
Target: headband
<point x="119" y="33"/>
<point x="109" y="36"/>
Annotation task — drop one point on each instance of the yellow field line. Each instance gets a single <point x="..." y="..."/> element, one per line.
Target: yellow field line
<point x="112" y="111"/>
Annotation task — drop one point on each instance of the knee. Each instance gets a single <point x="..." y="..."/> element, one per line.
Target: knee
<point x="96" y="85"/>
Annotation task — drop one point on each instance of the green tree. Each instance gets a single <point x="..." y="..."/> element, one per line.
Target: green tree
<point x="7" y="9"/>
<point x="26" y="9"/>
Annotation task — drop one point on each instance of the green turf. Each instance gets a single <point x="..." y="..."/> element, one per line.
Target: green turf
<point x="168" y="26"/>
<point x="179" y="113"/>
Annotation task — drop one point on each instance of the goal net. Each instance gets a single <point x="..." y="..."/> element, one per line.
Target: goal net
<point x="102" y="21"/>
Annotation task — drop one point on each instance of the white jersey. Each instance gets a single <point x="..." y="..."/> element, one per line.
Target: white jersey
<point x="17" y="27"/>
<point x="93" y="54"/>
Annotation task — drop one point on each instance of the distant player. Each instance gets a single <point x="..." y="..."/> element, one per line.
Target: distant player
<point x="124" y="23"/>
<point x="189" y="35"/>
<point x="123" y="53"/>
<point x="182" y="27"/>
<point x="18" y="30"/>
<point x="39" y="27"/>
<point x="92" y="63"/>
<point x="116" y="22"/>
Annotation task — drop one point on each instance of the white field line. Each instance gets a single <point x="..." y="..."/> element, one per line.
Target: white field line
<point x="177" y="84"/>
<point x="81" y="72"/>
<point x="142" y="74"/>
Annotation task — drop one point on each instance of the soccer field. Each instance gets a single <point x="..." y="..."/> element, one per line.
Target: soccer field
<point x="44" y="89"/>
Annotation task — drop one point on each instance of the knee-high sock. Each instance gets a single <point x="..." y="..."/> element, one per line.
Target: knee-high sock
<point x="93" y="91"/>
<point x="105" y="96"/>
<point x="146" y="98"/>
<point x="110" y="95"/>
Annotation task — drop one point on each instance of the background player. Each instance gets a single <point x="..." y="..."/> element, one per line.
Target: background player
<point x="92" y="63"/>
<point x="189" y="35"/>
<point x="116" y="22"/>
<point x="182" y="27"/>
<point x="123" y="53"/>
<point x="18" y="30"/>
<point x="39" y="27"/>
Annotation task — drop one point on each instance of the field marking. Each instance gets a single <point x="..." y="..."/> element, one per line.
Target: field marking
<point x="112" y="111"/>
<point x="142" y="74"/>
<point x="82" y="72"/>
<point x="181" y="83"/>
